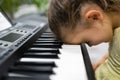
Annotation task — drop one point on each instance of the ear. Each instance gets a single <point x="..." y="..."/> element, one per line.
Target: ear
<point x="94" y="15"/>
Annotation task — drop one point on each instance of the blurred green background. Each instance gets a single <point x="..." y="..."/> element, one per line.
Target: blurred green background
<point x="12" y="6"/>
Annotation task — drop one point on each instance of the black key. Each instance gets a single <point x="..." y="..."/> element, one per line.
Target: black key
<point x="46" y="45"/>
<point x="47" y="36"/>
<point x="25" y="78"/>
<point x="41" y="55"/>
<point x="49" y="50"/>
<point x="50" y="41"/>
<point x="47" y="39"/>
<point x="47" y="33"/>
<point x="28" y="74"/>
<point x="48" y="30"/>
<point x="36" y="69"/>
<point x="51" y="63"/>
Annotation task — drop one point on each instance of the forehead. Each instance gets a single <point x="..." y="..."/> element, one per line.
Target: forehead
<point x="70" y="36"/>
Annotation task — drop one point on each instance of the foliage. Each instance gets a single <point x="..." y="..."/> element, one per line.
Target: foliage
<point x="11" y="6"/>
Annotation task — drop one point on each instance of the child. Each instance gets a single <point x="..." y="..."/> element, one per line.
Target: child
<point x="91" y="22"/>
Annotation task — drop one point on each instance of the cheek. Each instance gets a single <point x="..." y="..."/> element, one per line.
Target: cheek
<point x="98" y="37"/>
<point x="102" y="37"/>
<point x="108" y="36"/>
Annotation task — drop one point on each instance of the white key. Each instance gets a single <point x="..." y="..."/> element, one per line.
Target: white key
<point x="71" y="65"/>
<point x="38" y="60"/>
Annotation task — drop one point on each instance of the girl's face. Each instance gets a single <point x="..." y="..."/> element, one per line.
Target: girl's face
<point x="94" y="27"/>
<point x="92" y="35"/>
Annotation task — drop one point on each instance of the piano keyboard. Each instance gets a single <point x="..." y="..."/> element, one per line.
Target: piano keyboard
<point x="49" y="59"/>
<point x="71" y="65"/>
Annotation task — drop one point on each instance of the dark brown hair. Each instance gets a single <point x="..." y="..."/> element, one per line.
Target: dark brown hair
<point x="66" y="13"/>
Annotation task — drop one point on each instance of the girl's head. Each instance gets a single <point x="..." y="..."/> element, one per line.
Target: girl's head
<point x="77" y="21"/>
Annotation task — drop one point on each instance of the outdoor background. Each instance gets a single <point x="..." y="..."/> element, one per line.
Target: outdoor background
<point x="16" y="8"/>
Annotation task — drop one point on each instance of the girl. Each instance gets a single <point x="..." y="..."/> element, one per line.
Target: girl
<point x="91" y="22"/>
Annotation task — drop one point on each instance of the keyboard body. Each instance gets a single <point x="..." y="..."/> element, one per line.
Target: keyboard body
<point x="34" y="54"/>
